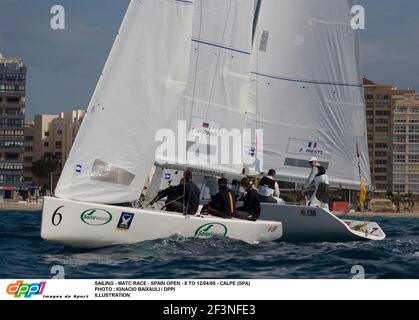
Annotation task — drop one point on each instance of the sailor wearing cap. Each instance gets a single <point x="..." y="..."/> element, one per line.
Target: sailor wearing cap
<point x="318" y="181"/>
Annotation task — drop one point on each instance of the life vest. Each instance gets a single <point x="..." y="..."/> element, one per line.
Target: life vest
<point x="267" y="182"/>
<point x="267" y="187"/>
<point x="322" y="171"/>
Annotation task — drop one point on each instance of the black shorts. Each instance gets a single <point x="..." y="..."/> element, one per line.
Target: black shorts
<point x="323" y="192"/>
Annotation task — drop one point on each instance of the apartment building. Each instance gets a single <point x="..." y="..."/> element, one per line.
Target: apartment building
<point x="53" y="134"/>
<point x="12" y="119"/>
<point x="406" y="144"/>
<point x="380" y="114"/>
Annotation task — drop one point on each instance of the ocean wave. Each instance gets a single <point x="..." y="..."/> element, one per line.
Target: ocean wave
<point x="26" y="255"/>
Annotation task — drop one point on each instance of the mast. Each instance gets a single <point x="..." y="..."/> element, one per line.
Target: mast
<point x="256" y="19"/>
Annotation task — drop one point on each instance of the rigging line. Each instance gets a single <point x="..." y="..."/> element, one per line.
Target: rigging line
<point x="319" y="82"/>
<point x="184" y="193"/>
<point x="166" y="204"/>
<point x="256" y="19"/>
<point x="220" y="46"/>
<point x="197" y="62"/>
<point x="255" y="47"/>
<point x="218" y="61"/>
<point x="202" y="186"/>
<point x="189" y="198"/>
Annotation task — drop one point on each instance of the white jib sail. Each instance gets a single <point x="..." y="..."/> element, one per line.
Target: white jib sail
<point x="306" y="91"/>
<point x="137" y="94"/>
<point x="218" y="86"/>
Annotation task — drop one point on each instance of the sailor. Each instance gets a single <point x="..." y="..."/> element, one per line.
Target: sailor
<point x="223" y="203"/>
<point x="269" y="189"/>
<point x="251" y="202"/>
<point x="318" y="181"/>
<point x="183" y="198"/>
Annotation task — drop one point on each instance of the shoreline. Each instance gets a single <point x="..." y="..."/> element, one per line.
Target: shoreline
<point x="19" y="206"/>
<point x="414" y="215"/>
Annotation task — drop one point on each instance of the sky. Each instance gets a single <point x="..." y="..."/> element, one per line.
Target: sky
<point x="64" y="65"/>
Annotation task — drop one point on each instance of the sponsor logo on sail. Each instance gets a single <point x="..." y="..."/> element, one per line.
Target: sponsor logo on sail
<point x="310" y="148"/>
<point x="211" y="230"/>
<point x="96" y="217"/>
<point x="78" y="168"/>
<point x="125" y="221"/>
<point x="313" y="149"/>
<point x="21" y="289"/>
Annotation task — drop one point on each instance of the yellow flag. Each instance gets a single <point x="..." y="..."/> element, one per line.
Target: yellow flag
<point x="362" y="192"/>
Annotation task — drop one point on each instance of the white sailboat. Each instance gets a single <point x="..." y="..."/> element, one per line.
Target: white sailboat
<point x="141" y="87"/>
<point x="307" y="96"/>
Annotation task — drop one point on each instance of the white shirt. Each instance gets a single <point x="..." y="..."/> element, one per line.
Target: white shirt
<point x="268" y="192"/>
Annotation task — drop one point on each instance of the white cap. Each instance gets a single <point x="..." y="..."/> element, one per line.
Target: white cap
<point x="313" y="159"/>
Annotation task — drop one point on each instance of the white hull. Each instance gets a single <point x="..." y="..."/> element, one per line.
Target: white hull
<point x="87" y="225"/>
<point x="308" y="224"/>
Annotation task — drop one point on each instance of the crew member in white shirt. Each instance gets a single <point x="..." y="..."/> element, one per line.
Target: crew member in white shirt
<point x="320" y="182"/>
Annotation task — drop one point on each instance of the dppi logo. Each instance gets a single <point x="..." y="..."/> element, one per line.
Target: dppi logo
<point x="211" y="230"/>
<point x="27" y="290"/>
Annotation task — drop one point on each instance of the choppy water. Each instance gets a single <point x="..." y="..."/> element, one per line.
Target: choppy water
<point x="23" y="254"/>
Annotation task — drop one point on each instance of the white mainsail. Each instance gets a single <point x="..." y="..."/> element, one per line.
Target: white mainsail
<point x="218" y="87"/>
<point x="137" y="94"/>
<point x="306" y="90"/>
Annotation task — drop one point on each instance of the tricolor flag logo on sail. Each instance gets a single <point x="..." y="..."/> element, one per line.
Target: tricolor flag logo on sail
<point x="252" y="152"/>
<point x="312" y="145"/>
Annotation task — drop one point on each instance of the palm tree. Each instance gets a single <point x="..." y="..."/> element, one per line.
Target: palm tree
<point x="50" y="162"/>
<point x="45" y="167"/>
<point x="50" y="165"/>
<point x="38" y="170"/>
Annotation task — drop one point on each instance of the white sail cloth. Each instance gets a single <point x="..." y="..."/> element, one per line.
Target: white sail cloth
<point x="218" y="87"/>
<point x="306" y="91"/>
<point x="137" y="94"/>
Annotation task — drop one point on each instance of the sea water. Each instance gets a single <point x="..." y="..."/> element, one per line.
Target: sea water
<point x="23" y="255"/>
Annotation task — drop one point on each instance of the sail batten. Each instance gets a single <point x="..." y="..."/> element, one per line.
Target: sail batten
<point x="142" y="81"/>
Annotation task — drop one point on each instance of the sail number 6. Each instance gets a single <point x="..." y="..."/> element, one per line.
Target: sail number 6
<point x="57" y="217"/>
